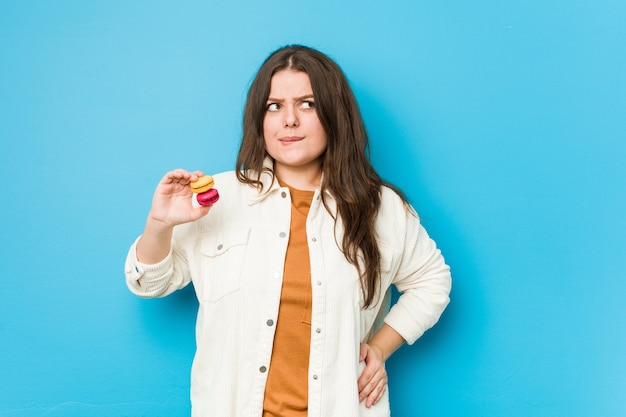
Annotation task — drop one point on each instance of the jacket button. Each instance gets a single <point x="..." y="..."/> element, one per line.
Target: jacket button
<point x="262" y="369"/>
<point x="220" y="246"/>
<point x="270" y="322"/>
<point x="283" y="194"/>
<point x="282" y="234"/>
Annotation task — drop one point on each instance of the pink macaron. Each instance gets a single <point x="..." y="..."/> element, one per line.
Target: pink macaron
<point x="208" y="198"/>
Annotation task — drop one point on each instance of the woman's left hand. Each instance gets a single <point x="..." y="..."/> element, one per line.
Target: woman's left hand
<point x="373" y="380"/>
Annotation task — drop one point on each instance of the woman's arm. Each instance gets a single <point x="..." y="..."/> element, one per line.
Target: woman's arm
<point x="148" y="268"/>
<point x="423" y="279"/>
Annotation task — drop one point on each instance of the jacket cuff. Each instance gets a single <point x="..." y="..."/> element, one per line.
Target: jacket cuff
<point x="412" y="323"/>
<point x="146" y="279"/>
<point x="401" y="321"/>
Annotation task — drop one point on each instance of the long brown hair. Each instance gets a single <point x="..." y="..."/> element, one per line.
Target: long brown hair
<point x="347" y="172"/>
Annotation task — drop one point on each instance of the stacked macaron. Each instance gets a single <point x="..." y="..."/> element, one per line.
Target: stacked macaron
<point x="206" y="195"/>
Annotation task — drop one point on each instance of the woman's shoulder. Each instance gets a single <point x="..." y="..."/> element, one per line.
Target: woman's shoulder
<point x="394" y="205"/>
<point x="229" y="181"/>
<point x="391" y="196"/>
<point x="396" y="220"/>
<point x="225" y="177"/>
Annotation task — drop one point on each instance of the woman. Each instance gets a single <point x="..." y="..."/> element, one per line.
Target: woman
<point x="293" y="266"/>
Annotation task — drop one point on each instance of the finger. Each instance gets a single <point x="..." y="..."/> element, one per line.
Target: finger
<point x="378" y="379"/>
<point x="200" y="212"/>
<point x="368" y="384"/>
<point x="176" y="176"/>
<point x="179" y="173"/>
<point x="363" y="352"/>
<point x="197" y="174"/>
<point x="376" y="388"/>
<point x="380" y="395"/>
<point x="366" y="376"/>
<point x="376" y="395"/>
<point x="372" y="365"/>
<point x="377" y="376"/>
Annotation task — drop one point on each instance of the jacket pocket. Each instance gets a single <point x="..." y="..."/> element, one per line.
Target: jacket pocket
<point x="223" y="254"/>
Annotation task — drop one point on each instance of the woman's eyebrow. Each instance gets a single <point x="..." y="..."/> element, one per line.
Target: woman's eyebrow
<point x="280" y="100"/>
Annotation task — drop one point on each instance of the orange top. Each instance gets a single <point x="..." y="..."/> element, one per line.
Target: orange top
<point x="286" y="392"/>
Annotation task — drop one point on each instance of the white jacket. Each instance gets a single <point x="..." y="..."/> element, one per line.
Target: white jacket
<point x="235" y="257"/>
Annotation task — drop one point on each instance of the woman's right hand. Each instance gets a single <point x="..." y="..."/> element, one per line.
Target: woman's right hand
<point x="171" y="203"/>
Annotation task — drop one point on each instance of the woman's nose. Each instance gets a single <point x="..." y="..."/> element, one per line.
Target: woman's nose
<point x="291" y="118"/>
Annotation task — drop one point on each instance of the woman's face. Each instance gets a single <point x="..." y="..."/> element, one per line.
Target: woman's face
<point x="293" y="134"/>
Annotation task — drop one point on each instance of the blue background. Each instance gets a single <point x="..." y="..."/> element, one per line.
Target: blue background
<point x="504" y="122"/>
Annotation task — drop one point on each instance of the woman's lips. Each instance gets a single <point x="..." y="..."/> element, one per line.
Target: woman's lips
<point x="290" y="139"/>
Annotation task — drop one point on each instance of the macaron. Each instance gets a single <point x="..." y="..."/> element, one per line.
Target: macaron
<point x="208" y="198"/>
<point x="202" y="184"/>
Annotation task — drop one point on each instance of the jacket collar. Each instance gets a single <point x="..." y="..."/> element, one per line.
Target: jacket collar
<point x="270" y="184"/>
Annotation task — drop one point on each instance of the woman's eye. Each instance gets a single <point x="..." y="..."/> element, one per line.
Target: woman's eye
<point x="308" y="104"/>
<point x="273" y="107"/>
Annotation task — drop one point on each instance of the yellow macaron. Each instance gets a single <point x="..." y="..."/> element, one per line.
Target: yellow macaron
<point x="202" y="184"/>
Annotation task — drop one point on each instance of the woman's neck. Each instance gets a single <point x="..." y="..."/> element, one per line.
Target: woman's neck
<point x="307" y="178"/>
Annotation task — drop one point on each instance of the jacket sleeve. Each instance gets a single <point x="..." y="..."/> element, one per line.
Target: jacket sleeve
<point x="156" y="280"/>
<point x="424" y="281"/>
